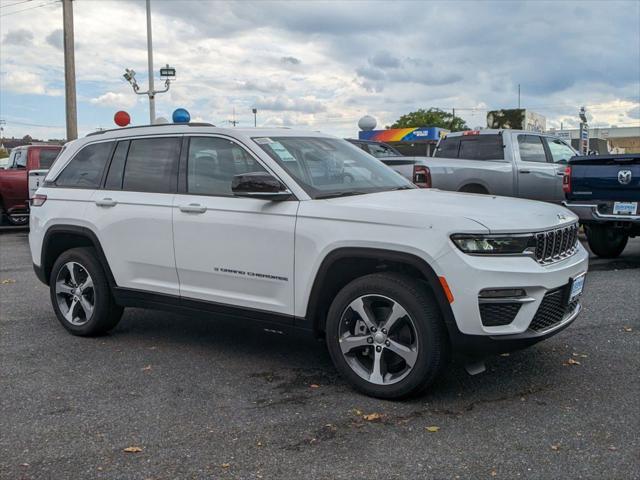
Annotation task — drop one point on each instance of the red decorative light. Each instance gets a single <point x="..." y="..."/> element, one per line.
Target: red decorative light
<point x="122" y="118"/>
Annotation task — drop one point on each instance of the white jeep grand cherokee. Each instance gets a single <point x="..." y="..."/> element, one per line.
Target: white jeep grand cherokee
<point x="302" y="230"/>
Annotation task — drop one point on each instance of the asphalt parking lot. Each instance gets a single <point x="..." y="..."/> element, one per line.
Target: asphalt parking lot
<point x="204" y="399"/>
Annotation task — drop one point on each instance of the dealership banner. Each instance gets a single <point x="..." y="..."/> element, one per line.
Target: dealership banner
<point x="424" y="134"/>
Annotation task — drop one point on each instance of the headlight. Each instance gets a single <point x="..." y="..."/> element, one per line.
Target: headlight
<point x="495" y="244"/>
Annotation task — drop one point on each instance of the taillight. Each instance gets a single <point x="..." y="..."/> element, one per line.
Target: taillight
<point x="566" y="180"/>
<point x="422" y="176"/>
<point x="38" y="200"/>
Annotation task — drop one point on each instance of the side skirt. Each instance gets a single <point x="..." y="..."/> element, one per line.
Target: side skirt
<point x="269" y="321"/>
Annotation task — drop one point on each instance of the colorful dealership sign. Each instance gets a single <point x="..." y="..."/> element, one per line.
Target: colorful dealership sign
<point x="421" y="134"/>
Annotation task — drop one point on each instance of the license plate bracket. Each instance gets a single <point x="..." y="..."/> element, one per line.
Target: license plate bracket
<point x="625" y="208"/>
<point x="576" y="286"/>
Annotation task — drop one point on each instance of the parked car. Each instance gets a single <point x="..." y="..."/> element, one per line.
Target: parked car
<point x="300" y="230"/>
<point x="604" y="191"/>
<point x="513" y="163"/>
<point x="14" y="181"/>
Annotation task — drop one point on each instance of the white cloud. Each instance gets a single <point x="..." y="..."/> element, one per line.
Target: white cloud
<point x="116" y="100"/>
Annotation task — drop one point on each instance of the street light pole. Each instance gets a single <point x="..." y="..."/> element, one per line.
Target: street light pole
<point x="255" y="116"/>
<point x="69" y="71"/>
<point x="152" y="98"/>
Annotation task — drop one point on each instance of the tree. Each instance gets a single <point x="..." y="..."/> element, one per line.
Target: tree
<point x="434" y="117"/>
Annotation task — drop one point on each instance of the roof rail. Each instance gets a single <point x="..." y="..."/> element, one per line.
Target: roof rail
<point x="192" y="124"/>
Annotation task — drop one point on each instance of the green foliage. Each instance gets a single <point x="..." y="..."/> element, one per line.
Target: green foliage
<point x="3" y="153"/>
<point x="434" y="117"/>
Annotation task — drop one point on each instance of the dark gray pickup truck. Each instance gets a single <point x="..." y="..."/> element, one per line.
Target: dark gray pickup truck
<point x="604" y="191"/>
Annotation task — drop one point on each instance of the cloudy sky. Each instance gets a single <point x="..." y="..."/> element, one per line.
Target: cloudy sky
<point x="322" y="65"/>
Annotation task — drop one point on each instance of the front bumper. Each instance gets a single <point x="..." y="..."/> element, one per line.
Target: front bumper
<point x="468" y="275"/>
<point x="588" y="212"/>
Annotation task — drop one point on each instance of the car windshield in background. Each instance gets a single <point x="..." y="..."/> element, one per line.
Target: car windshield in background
<point x="328" y="167"/>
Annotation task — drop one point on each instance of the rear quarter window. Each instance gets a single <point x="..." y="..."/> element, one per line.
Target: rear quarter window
<point x="86" y="168"/>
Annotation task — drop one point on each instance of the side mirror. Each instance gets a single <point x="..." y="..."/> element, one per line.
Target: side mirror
<point x="259" y="185"/>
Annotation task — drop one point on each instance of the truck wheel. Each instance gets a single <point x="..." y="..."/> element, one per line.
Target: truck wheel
<point x="18" y="220"/>
<point x="80" y="293"/>
<point x="473" y="188"/>
<point x="606" y="242"/>
<point x="385" y="334"/>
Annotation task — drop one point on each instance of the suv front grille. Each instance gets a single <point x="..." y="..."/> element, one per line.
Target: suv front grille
<point x="553" y="309"/>
<point x="557" y="244"/>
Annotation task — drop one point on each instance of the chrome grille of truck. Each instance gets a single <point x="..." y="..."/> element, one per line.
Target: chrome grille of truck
<point x="557" y="244"/>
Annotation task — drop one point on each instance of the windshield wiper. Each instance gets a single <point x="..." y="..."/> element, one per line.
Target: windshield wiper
<point x="338" y="194"/>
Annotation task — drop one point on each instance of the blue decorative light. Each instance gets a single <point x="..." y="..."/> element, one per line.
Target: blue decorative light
<point x="180" y="115"/>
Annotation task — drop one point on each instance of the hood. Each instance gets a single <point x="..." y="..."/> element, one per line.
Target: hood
<point x="497" y="214"/>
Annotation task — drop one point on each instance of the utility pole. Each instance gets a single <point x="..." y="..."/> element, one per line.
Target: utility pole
<point x="255" y="116"/>
<point x="152" y="97"/>
<point x="69" y="71"/>
<point x="518" y="96"/>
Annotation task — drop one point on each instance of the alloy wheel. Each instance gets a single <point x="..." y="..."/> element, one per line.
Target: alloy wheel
<point x="378" y="339"/>
<point x="75" y="293"/>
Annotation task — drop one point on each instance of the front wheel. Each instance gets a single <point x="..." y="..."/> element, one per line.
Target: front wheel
<point x="606" y="242"/>
<point x="386" y="335"/>
<point x="80" y="293"/>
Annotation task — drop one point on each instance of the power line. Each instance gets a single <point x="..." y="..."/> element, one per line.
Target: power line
<point x="9" y="122"/>
<point x="30" y="8"/>
<point x="16" y="3"/>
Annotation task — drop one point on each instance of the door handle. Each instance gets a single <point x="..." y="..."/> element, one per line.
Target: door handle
<point x="193" y="208"/>
<point x="106" y="202"/>
<point x="524" y="171"/>
<point x="561" y="174"/>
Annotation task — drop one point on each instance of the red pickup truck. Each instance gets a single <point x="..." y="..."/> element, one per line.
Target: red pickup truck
<point x="14" y="180"/>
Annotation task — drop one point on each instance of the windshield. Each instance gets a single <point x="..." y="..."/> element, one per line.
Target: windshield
<point x="328" y="167"/>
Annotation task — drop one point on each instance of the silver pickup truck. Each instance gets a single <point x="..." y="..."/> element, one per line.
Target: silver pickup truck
<point x="512" y="163"/>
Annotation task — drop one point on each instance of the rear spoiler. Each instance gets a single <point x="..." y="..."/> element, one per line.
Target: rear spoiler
<point x="605" y="159"/>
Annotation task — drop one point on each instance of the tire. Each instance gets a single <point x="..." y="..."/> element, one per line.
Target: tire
<point x="606" y="242"/>
<point x="420" y="332"/>
<point x="82" y="302"/>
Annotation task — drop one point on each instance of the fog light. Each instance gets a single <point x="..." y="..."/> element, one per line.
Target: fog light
<point x="502" y="293"/>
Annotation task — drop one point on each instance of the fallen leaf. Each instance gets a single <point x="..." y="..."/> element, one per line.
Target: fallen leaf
<point x="147" y="368"/>
<point x="225" y="465"/>
<point x="7" y="281"/>
<point x="314" y="385"/>
<point x="24" y="464"/>
<point x="555" y="447"/>
<point x="432" y="428"/>
<point x="133" y="449"/>
<point x="357" y="412"/>
<point x="571" y="361"/>
<point x="627" y="329"/>
<point x="612" y="448"/>
<point x="493" y="473"/>
<point x="371" y="417"/>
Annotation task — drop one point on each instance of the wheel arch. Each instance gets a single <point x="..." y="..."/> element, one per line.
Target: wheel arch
<point x="60" y="238"/>
<point x="345" y="264"/>
<point x="474" y="187"/>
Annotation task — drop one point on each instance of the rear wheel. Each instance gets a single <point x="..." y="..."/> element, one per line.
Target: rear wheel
<point x="606" y="242"/>
<point x="474" y="189"/>
<point x="385" y="335"/>
<point x="80" y="294"/>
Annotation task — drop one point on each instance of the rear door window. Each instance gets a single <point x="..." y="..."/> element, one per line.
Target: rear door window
<point x="116" y="169"/>
<point x="481" y="147"/>
<point x="531" y="148"/>
<point x="152" y="165"/>
<point x="86" y="168"/>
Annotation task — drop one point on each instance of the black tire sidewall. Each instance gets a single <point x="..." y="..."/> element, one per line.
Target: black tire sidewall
<point x="420" y="304"/>
<point x="600" y="243"/>
<point x="86" y="257"/>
